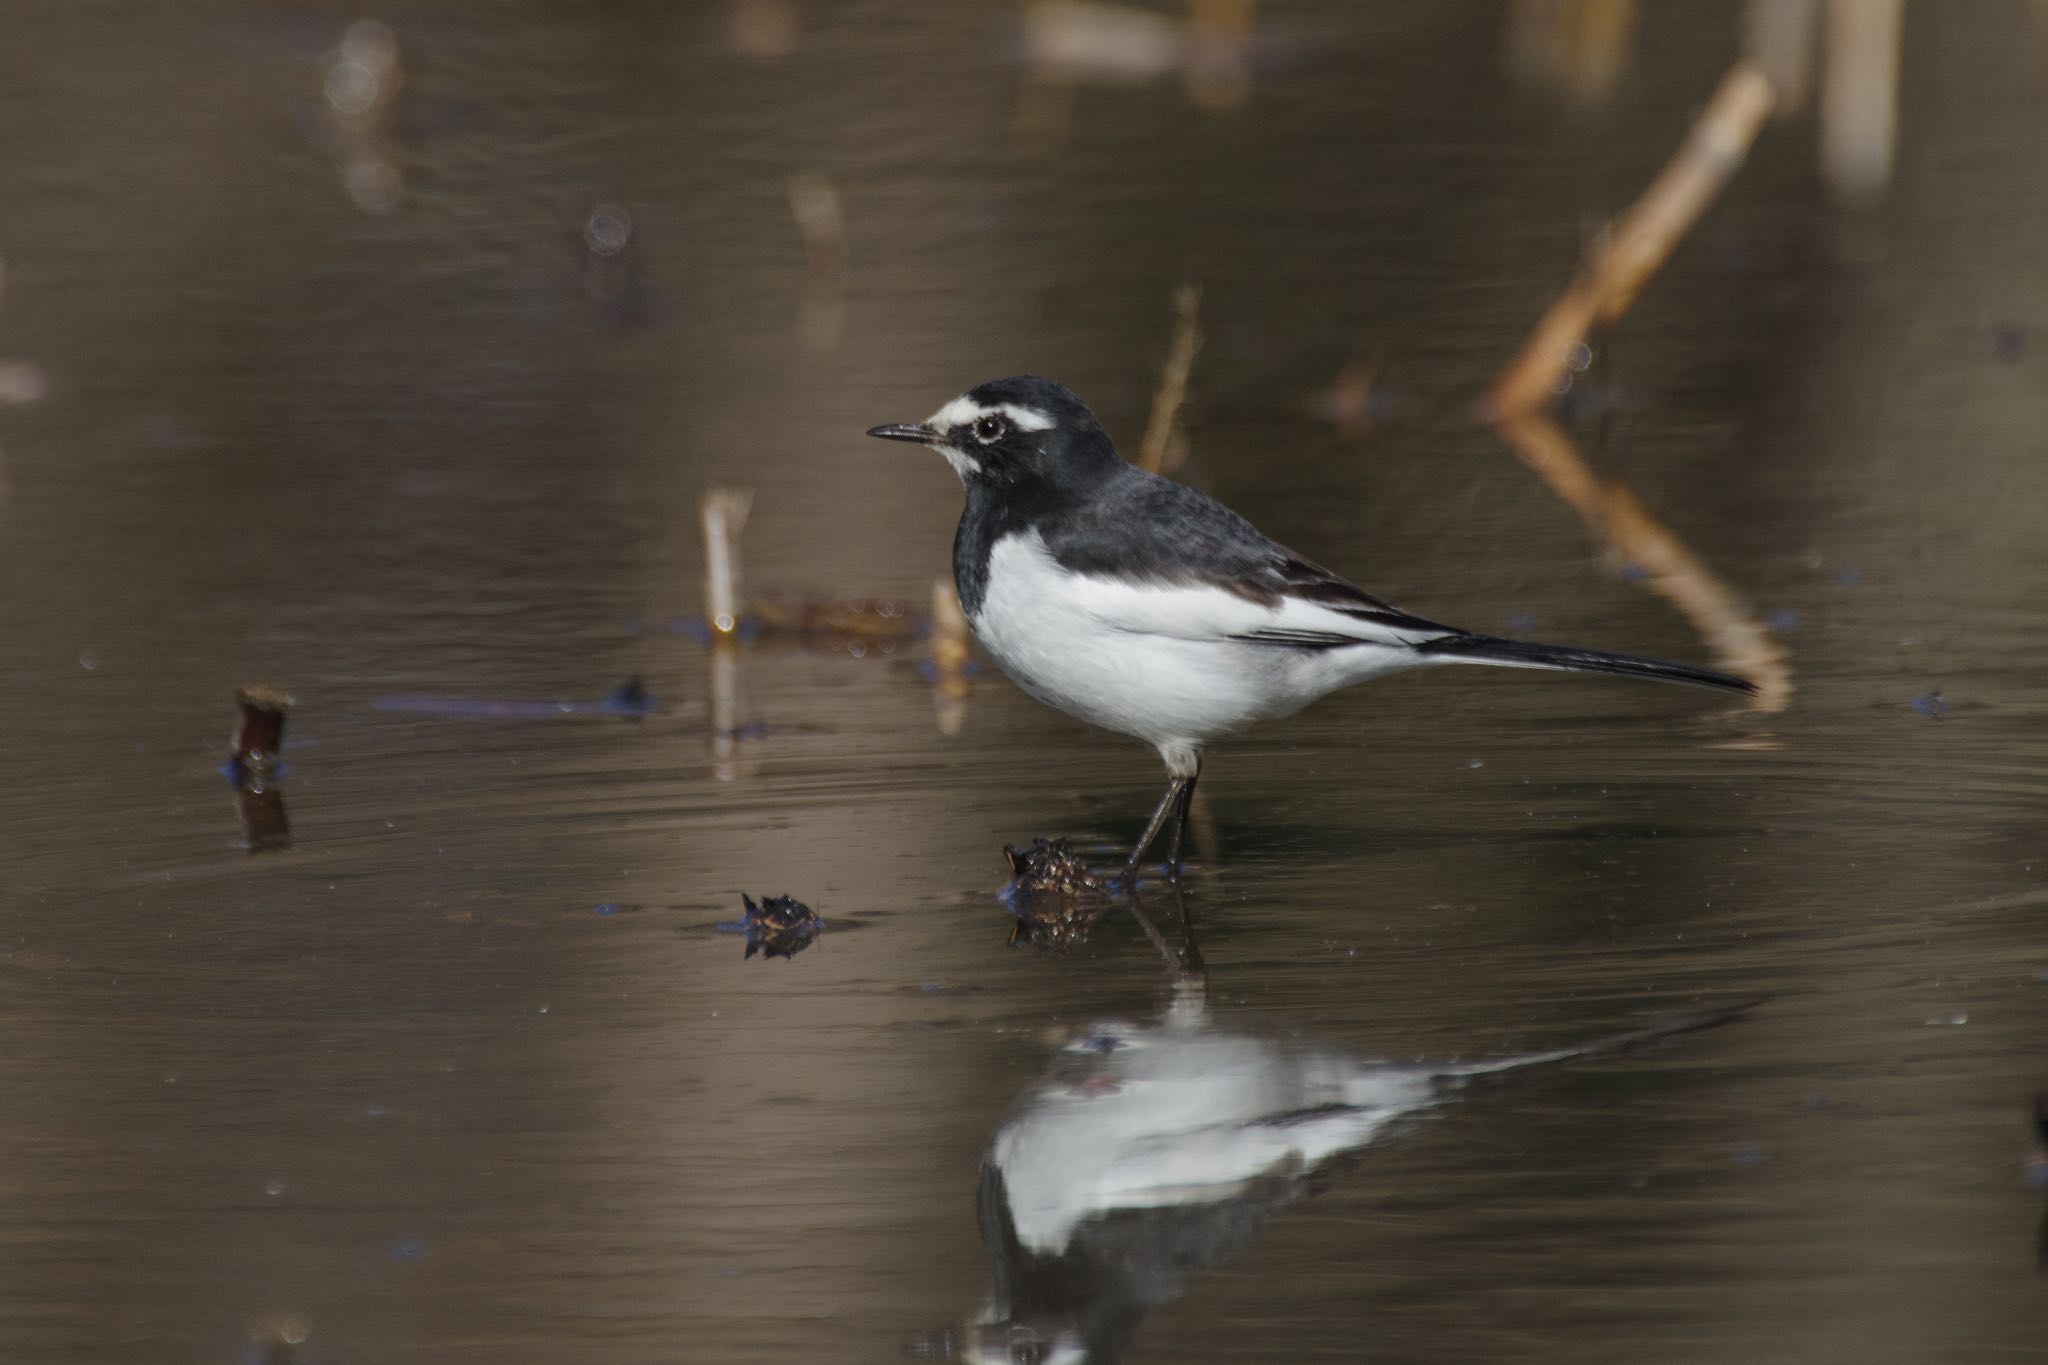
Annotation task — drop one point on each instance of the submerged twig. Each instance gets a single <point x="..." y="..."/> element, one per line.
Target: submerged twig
<point x="1636" y="244"/>
<point x="951" y="657"/>
<point x="1164" y="445"/>
<point x="1612" y="511"/>
<point x="882" y="619"/>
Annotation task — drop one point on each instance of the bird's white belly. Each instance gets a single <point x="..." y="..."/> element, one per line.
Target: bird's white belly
<point x="1156" y="688"/>
<point x="1169" y="689"/>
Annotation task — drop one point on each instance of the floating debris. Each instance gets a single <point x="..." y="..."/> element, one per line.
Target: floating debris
<point x="780" y="926"/>
<point x="1932" y="705"/>
<point x="1057" y="901"/>
<point x="1357" y="402"/>
<point x="1051" y="866"/>
<point x="839" y="620"/>
<point x="630" y="698"/>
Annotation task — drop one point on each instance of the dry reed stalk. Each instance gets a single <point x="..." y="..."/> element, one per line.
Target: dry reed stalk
<point x="1616" y="516"/>
<point x="724" y="515"/>
<point x="1159" y="451"/>
<point x="1636" y="244"/>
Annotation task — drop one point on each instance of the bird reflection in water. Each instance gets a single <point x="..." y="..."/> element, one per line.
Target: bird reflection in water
<point x="1151" y="1152"/>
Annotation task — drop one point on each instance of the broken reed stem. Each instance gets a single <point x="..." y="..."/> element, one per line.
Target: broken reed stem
<point x="1778" y="36"/>
<point x="1859" y="96"/>
<point x="1637" y="243"/>
<point x="821" y="223"/>
<point x="254" y="766"/>
<point x="724" y="515"/>
<point x="1617" y="517"/>
<point x="259" y="731"/>
<point x="1156" y="452"/>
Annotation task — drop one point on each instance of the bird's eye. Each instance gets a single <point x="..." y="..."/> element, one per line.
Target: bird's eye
<point x="989" y="429"/>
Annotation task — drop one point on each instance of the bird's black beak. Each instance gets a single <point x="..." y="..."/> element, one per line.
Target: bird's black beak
<point x="906" y="431"/>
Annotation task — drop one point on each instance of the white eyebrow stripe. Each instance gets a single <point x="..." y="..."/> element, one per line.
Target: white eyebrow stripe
<point x="1027" y="419"/>
<point x="964" y="410"/>
<point x="957" y="413"/>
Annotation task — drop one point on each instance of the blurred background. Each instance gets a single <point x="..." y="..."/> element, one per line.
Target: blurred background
<point x="387" y="357"/>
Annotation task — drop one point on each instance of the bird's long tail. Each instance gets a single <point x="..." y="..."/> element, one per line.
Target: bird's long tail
<point x="1487" y="649"/>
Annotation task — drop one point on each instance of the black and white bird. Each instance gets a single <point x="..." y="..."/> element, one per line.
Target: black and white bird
<point x="1144" y="607"/>
<point x="1153" y="1151"/>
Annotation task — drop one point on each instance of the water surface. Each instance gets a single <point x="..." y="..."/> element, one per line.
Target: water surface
<point x="469" y="1073"/>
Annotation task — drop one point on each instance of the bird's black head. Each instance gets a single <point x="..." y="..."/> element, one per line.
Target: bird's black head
<point x="1014" y="430"/>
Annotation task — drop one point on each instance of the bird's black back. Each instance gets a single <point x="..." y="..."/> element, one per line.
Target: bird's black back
<point x="1116" y="520"/>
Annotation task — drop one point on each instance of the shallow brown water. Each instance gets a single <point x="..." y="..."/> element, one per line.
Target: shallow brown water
<point x="406" y="1082"/>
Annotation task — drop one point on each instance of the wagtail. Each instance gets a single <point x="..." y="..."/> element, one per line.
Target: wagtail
<point x="1139" y="605"/>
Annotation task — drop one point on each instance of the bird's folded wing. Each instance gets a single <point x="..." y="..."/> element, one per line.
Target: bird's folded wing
<point x="1203" y="611"/>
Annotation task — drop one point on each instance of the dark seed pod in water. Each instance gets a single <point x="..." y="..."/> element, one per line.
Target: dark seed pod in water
<point x="1056" y="899"/>
<point x="780" y="926"/>
<point x="1051" y="866"/>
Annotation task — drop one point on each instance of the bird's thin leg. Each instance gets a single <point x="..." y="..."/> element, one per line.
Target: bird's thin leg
<point x="1137" y="908"/>
<point x="1174" y="787"/>
<point x="1191" y="965"/>
<point x="1180" y="822"/>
